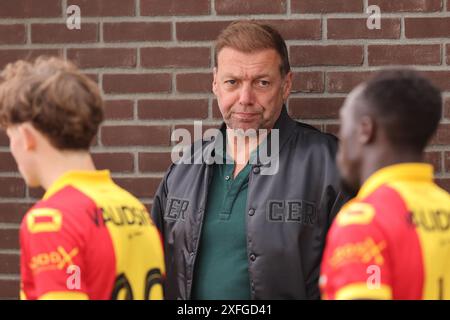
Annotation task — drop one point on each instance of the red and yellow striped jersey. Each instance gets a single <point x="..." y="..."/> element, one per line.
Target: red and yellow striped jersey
<point x="90" y="239"/>
<point x="392" y="241"/>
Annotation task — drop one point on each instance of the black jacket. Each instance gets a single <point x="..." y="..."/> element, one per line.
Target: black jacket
<point x="288" y="215"/>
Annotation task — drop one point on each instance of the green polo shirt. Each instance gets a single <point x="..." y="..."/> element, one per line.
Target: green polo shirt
<point x="221" y="268"/>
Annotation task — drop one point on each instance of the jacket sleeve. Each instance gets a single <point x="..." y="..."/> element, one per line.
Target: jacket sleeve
<point x="159" y="202"/>
<point x="335" y="204"/>
<point x="333" y="198"/>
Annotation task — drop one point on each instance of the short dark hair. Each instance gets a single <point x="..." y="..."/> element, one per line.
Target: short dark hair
<point x="407" y="105"/>
<point x="250" y="36"/>
<point x="59" y="101"/>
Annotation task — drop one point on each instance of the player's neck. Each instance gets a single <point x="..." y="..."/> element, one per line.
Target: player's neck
<point x="61" y="162"/>
<point x="385" y="157"/>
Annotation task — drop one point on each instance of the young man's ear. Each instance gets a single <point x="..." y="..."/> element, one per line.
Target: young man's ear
<point x="214" y="83"/>
<point x="29" y="136"/>
<point x="367" y="130"/>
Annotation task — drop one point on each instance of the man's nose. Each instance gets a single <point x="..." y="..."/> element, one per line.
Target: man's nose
<point x="246" y="96"/>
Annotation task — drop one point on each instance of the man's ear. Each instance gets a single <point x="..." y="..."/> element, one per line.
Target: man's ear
<point x="287" y="86"/>
<point x="367" y="130"/>
<point x="214" y="83"/>
<point x="29" y="136"/>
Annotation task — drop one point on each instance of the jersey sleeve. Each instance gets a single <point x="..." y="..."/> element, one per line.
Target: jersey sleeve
<point x="51" y="256"/>
<point x="356" y="263"/>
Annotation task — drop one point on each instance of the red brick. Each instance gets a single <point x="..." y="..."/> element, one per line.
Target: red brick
<point x="331" y="55"/>
<point x="119" y="109"/>
<point x="104" y="8"/>
<point x="137" y="135"/>
<point x="4" y="140"/>
<point x="12" y="34"/>
<point x="344" y="82"/>
<point x="408" y="5"/>
<point x="174" y="7"/>
<point x="175" y="57"/>
<point x="326" y="6"/>
<point x="58" y="33"/>
<point x="9" y="289"/>
<point x="315" y="108"/>
<point x="36" y="193"/>
<point x="434" y="158"/>
<point x="357" y="29"/>
<point x="308" y="82"/>
<point x="231" y="7"/>
<point x="448" y="53"/>
<point x="427" y="27"/>
<point x="115" y="162"/>
<point x="447" y="108"/>
<point x="190" y="128"/>
<point x="11" y="55"/>
<point x="200" y="30"/>
<point x="13" y="212"/>
<point x="9" y="263"/>
<point x="173" y="109"/>
<point x="194" y="82"/>
<point x="444" y="183"/>
<point x="439" y="78"/>
<point x="103" y="57"/>
<point x="404" y="54"/>
<point x="7" y="163"/>
<point x="302" y="29"/>
<point x="442" y="136"/>
<point x="447" y="161"/>
<point x="9" y="238"/>
<point x="332" y="129"/>
<point x="137" y="31"/>
<point x="30" y="9"/>
<point x="139" y="187"/>
<point x="298" y="29"/>
<point x="12" y="187"/>
<point x="137" y="83"/>
<point x="154" y="161"/>
<point x="147" y="205"/>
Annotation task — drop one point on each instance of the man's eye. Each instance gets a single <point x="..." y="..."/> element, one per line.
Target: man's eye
<point x="263" y="83"/>
<point x="231" y="82"/>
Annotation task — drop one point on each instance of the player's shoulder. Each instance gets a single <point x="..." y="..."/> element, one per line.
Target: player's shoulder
<point x="382" y="203"/>
<point x="66" y="207"/>
<point x="355" y="212"/>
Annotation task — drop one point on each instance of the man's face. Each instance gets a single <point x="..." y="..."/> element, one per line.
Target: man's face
<point x="249" y="88"/>
<point x="19" y="148"/>
<point x="350" y="153"/>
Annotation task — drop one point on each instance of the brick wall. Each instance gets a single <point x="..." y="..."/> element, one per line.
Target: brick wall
<point x="152" y="60"/>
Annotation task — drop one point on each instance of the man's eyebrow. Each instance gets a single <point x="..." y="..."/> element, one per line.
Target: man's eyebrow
<point x="258" y="76"/>
<point x="264" y="75"/>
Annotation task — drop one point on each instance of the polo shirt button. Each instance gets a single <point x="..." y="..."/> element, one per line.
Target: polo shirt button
<point x="251" y="212"/>
<point x="227" y="178"/>
<point x="252" y="257"/>
<point x="256" y="170"/>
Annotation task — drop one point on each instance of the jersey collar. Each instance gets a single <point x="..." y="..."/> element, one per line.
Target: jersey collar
<point x="78" y="177"/>
<point x="404" y="172"/>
